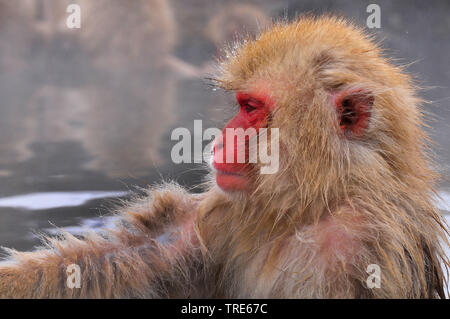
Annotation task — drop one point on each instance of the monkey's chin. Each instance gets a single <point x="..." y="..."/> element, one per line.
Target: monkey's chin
<point x="231" y="182"/>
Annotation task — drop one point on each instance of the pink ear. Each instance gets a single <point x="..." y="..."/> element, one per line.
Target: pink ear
<point x="354" y="108"/>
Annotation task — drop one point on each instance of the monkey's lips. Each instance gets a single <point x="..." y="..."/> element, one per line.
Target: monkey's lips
<point x="231" y="181"/>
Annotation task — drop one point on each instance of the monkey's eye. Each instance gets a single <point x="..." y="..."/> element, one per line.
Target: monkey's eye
<point x="248" y="108"/>
<point x="251" y="104"/>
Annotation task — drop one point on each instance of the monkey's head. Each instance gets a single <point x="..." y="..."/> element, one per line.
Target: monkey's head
<point x="346" y="117"/>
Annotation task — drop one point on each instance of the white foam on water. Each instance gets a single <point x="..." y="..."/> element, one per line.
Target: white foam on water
<point x="49" y="200"/>
<point x="97" y="224"/>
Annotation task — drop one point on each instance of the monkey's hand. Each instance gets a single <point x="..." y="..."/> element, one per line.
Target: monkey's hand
<point x="146" y="255"/>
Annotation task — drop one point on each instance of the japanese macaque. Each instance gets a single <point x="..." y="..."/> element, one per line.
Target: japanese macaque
<point x="353" y="192"/>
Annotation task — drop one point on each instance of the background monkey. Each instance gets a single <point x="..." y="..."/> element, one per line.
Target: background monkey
<point x="354" y="188"/>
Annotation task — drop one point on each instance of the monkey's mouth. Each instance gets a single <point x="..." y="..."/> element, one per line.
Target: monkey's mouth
<point x="228" y="172"/>
<point x="231" y="181"/>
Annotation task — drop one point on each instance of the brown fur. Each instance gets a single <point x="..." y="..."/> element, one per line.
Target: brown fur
<point x="309" y="231"/>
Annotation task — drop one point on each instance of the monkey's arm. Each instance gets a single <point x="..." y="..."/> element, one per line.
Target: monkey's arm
<point x="124" y="262"/>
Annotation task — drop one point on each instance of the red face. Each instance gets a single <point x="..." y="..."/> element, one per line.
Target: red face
<point x="233" y="170"/>
<point x="233" y="174"/>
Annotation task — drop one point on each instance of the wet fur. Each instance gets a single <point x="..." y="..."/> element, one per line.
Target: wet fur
<point x="336" y="205"/>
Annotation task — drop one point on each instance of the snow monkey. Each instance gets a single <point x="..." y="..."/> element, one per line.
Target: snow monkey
<point x="353" y="193"/>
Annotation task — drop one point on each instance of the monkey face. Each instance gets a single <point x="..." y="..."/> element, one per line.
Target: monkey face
<point x="310" y="126"/>
<point x="332" y="96"/>
<point x="309" y="122"/>
<point x="232" y="151"/>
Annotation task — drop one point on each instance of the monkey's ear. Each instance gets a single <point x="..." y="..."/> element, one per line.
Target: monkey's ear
<point x="354" y="108"/>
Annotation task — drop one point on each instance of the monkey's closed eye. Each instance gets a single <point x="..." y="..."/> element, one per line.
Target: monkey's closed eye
<point x="248" y="108"/>
<point x="252" y="104"/>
